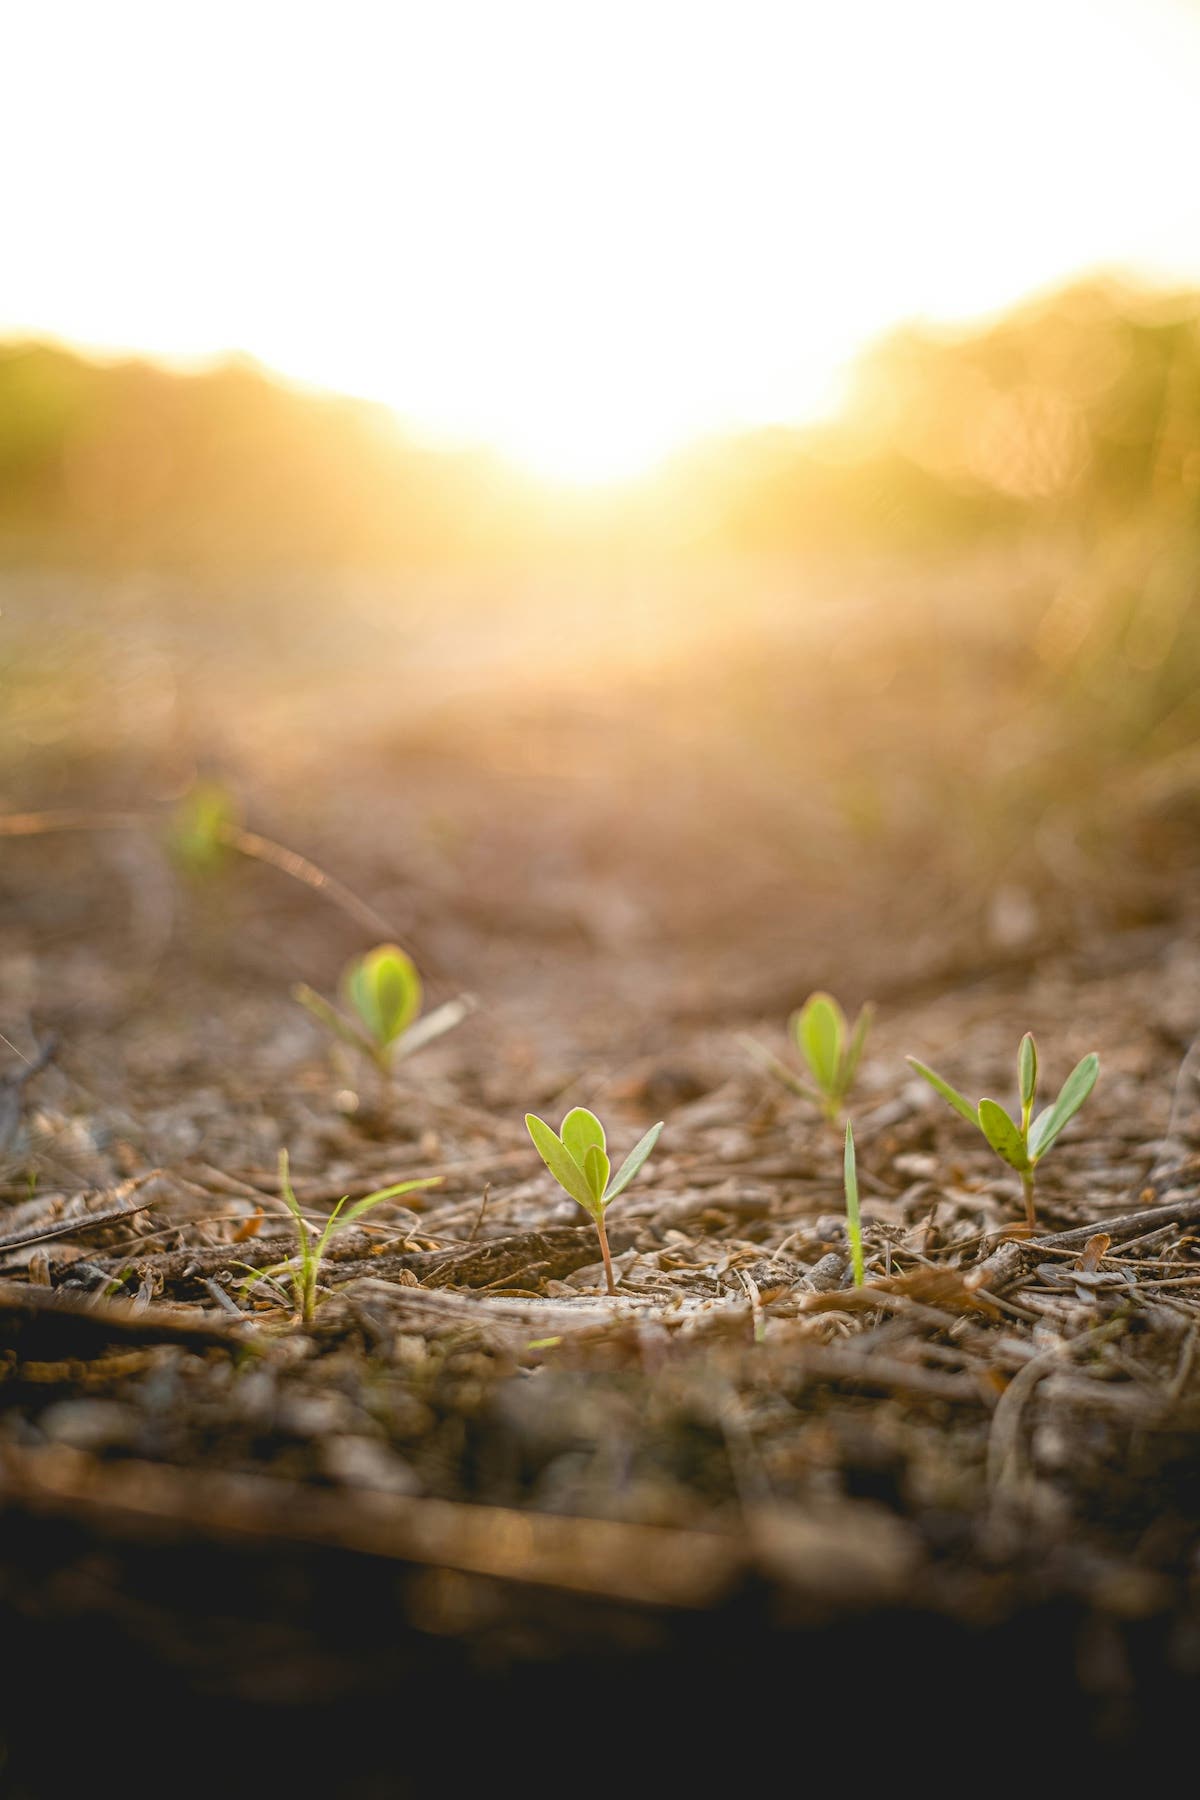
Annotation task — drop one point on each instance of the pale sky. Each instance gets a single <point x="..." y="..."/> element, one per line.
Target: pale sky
<point x="582" y="231"/>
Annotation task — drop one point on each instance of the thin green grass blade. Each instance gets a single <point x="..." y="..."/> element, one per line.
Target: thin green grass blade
<point x="633" y="1162"/>
<point x="285" y="1187"/>
<point x="561" y="1164"/>
<point x="331" y="1225"/>
<point x="1074" y="1091"/>
<point x="852" y="1056"/>
<point x="820" y="1032"/>
<point x="853" y="1217"/>
<point x="387" y="1193"/>
<point x="580" y="1132"/>
<point x="1001" y="1133"/>
<point x="953" y="1098"/>
<point x="268" y="1275"/>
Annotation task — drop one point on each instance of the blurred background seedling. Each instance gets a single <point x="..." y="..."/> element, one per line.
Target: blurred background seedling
<point x="1023" y="1142"/>
<point x="577" y="1157"/>
<point x="301" y="1273"/>
<point x="383" y="992"/>
<point x="197" y="833"/>
<point x="831" y="1049"/>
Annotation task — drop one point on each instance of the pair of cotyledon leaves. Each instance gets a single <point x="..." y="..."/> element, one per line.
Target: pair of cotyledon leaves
<point x="577" y="1157"/>
<point x="829" y="1046"/>
<point x="384" y="989"/>
<point x="1021" y="1149"/>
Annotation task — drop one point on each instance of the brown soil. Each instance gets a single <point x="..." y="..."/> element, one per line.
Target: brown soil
<point x="477" y="1488"/>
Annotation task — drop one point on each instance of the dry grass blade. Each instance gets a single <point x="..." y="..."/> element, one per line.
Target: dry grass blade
<point x="58" y="1215"/>
<point x="72" y="1227"/>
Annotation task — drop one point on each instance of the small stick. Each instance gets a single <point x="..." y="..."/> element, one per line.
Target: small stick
<point x="487" y="1188"/>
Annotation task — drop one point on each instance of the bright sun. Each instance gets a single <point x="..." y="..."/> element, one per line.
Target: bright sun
<point x="582" y="233"/>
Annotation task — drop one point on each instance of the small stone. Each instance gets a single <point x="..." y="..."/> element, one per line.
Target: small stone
<point x="366" y="1463"/>
<point x="314" y="1415"/>
<point x="90" y="1424"/>
<point x="827" y="1274"/>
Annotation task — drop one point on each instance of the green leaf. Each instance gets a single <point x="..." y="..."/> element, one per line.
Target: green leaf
<point x="286" y="1189"/>
<point x="596" y="1167"/>
<point x="388" y="1193"/>
<point x="853" y="1218"/>
<point x="561" y="1164"/>
<point x="633" y="1162"/>
<point x="580" y="1131"/>
<point x="1074" y="1091"/>
<point x="958" y="1101"/>
<point x="331" y="1225"/>
<point x="1027" y="1069"/>
<point x="1003" y="1135"/>
<point x="820" y="1032"/>
<point x="385" y="991"/>
<point x="852" y="1056"/>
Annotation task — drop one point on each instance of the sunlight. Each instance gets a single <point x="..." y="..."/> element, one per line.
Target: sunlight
<point x="600" y="426"/>
<point x="586" y="236"/>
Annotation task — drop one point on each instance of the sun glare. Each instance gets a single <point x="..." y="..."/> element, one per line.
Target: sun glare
<point x="583" y="234"/>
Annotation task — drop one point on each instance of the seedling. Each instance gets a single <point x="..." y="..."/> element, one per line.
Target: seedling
<point x="383" y="991"/>
<point x="196" y="831"/>
<point x="577" y="1157"/>
<point x="1022" y="1145"/>
<point x="302" y="1271"/>
<point x="831" y="1050"/>
<point x="853" y="1220"/>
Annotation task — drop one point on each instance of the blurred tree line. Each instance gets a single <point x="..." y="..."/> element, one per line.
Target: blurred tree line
<point x="1083" y="410"/>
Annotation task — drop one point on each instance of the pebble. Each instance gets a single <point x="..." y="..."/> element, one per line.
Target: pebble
<point x="90" y="1424"/>
<point x="365" y="1463"/>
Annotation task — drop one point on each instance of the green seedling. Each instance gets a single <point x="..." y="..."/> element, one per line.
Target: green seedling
<point x="196" y="831"/>
<point x="302" y="1271"/>
<point x="577" y="1157"/>
<point x="383" y="991"/>
<point x="1022" y="1144"/>
<point x="831" y="1049"/>
<point x="853" y="1219"/>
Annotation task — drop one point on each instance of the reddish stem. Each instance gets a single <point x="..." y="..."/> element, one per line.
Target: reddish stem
<point x="608" y="1268"/>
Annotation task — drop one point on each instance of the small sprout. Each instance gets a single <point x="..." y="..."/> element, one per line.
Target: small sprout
<point x="853" y="1218"/>
<point x="196" y="832"/>
<point x="577" y="1157"/>
<point x="383" y="990"/>
<point x="831" y="1050"/>
<point x="302" y="1271"/>
<point x="1022" y="1144"/>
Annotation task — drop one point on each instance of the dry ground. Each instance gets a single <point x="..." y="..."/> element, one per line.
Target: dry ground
<point x="477" y="1476"/>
